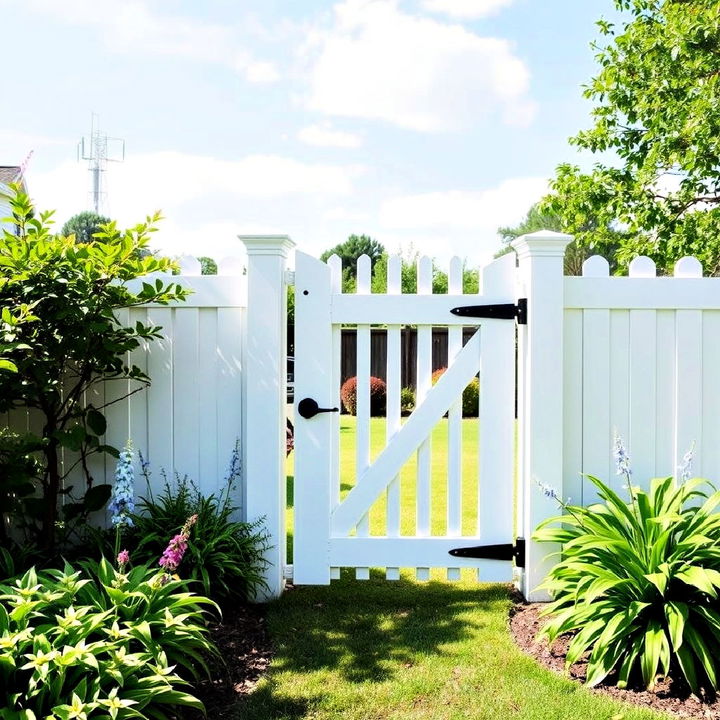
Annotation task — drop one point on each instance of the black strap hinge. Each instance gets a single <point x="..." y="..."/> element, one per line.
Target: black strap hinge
<point x="507" y="551"/>
<point x="501" y="311"/>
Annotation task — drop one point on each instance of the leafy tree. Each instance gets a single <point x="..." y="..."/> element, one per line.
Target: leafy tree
<point x="656" y="109"/>
<point x="84" y="225"/>
<point x="540" y="217"/>
<point x="207" y="266"/>
<point x="349" y="252"/>
<point x="74" y="343"/>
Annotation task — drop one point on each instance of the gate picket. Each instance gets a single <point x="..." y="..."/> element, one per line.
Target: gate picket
<point x="454" y="476"/>
<point x="362" y="389"/>
<point x="424" y="383"/>
<point x="313" y="439"/>
<point x="335" y="265"/>
<point x="394" y="385"/>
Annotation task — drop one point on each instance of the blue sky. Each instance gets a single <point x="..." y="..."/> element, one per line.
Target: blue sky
<point x="424" y="123"/>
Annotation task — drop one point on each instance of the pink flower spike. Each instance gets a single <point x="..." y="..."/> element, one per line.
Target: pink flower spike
<point x="123" y="557"/>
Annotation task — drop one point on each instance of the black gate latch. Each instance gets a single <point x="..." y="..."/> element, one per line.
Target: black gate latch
<point x="507" y="551"/>
<point x="501" y="311"/>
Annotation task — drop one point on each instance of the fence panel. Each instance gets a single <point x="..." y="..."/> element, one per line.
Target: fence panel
<point x="647" y="370"/>
<point x="189" y="419"/>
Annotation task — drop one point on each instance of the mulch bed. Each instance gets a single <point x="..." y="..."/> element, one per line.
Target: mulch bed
<point x="245" y="650"/>
<point x="670" y="696"/>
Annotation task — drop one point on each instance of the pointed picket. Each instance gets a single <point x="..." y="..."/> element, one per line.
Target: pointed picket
<point x="424" y="454"/>
<point x="454" y="471"/>
<point x="313" y="437"/>
<point x="497" y="420"/>
<point x="394" y="386"/>
<point x="362" y="427"/>
<point x="335" y="264"/>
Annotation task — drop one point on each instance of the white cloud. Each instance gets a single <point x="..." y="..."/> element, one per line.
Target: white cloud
<point x="462" y="222"/>
<point x="133" y="28"/>
<point x="261" y="72"/>
<point x="326" y="136"/>
<point x="466" y="9"/>
<point x="183" y="186"/>
<point x="379" y="63"/>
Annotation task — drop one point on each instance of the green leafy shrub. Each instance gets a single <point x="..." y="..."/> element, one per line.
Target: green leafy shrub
<point x="378" y="396"/>
<point x="638" y="583"/>
<point x="470" y="396"/>
<point x="223" y="554"/>
<point x="72" y="341"/>
<point x="98" y="643"/>
<point x="407" y="399"/>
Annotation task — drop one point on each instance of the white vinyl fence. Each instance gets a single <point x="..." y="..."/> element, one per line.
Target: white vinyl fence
<point x="642" y="358"/>
<point x="188" y="420"/>
<point x="639" y="355"/>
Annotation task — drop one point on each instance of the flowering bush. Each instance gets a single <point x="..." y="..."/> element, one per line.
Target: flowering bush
<point x="378" y="394"/>
<point x="225" y="555"/>
<point x="470" y="396"/>
<point x="99" y="643"/>
<point x="638" y="583"/>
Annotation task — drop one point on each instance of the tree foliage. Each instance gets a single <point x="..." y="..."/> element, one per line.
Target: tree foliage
<point x="657" y="110"/>
<point x="84" y="225"/>
<point x="74" y="342"/>
<point x="540" y="217"/>
<point x="207" y="265"/>
<point x="349" y="252"/>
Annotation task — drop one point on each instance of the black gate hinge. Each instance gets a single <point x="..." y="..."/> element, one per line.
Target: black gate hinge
<point x="507" y="551"/>
<point x="500" y="311"/>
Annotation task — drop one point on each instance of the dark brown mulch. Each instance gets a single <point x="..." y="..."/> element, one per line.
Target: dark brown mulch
<point x="670" y="696"/>
<point x="245" y="649"/>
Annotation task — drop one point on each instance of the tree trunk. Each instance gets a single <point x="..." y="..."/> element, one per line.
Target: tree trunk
<point x="52" y="486"/>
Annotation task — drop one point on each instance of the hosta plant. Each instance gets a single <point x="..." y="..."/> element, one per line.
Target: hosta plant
<point x="99" y="643"/>
<point x="638" y="583"/>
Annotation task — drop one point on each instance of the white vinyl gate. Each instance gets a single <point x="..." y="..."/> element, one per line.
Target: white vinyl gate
<point x="333" y="527"/>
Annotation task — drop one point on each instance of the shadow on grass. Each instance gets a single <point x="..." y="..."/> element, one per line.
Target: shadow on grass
<point x="267" y="703"/>
<point x="359" y="632"/>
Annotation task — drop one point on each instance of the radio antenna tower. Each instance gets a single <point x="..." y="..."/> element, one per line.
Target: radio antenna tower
<point x="98" y="150"/>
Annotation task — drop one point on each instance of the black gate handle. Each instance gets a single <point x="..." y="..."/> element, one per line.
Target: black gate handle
<point x="308" y="408"/>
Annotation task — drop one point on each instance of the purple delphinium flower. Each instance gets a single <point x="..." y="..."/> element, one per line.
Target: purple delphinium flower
<point x="686" y="465"/>
<point x="173" y="554"/>
<point x="548" y="491"/>
<point x="622" y="461"/>
<point x="122" y="503"/>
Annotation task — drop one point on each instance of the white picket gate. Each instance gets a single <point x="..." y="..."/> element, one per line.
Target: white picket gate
<point x="332" y="527"/>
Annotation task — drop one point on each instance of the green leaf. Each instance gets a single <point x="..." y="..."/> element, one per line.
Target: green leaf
<point x="650" y="658"/>
<point x="701" y="649"/>
<point x="698" y="578"/>
<point x="676" y="614"/>
<point x="97" y="497"/>
<point x="96" y="422"/>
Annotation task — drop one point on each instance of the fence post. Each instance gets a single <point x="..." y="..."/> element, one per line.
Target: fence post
<point x="540" y="393"/>
<point x="264" y="398"/>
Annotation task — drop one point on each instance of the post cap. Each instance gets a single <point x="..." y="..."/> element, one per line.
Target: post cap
<point x="267" y="244"/>
<point x="543" y="243"/>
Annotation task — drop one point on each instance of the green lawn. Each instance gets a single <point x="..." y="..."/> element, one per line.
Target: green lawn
<point x="435" y="651"/>
<point x="360" y="650"/>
